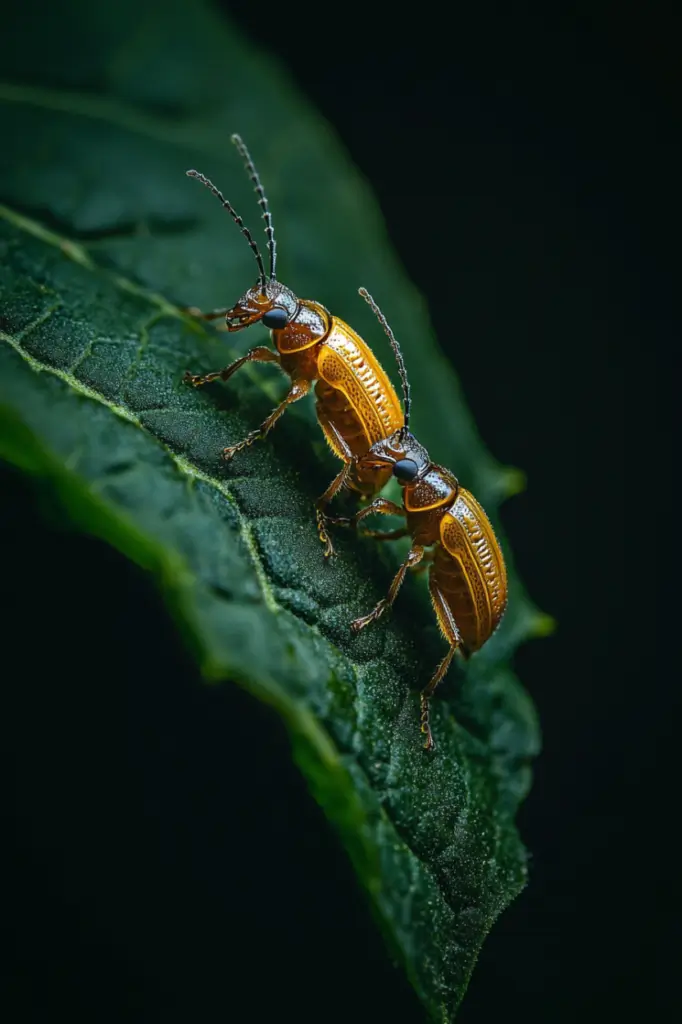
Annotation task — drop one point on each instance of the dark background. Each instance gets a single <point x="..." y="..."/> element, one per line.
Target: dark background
<point x="527" y="164"/>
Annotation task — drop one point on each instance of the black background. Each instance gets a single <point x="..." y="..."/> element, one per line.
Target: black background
<point x="527" y="164"/>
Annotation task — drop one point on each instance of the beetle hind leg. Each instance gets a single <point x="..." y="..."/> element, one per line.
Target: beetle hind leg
<point x="321" y="518"/>
<point x="340" y="447"/>
<point x="448" y="628"/>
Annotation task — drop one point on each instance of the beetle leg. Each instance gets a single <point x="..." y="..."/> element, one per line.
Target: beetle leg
<point x="402" y="531"/>
<point x="414" y="556"/>
<point x="382" y="506"/>
<point x="215" y="314"/>
<point x="448" y="628"/>
<point x="337" y="484"/>
<point x="260" y="354"/>
<point x="425" y="563"/>
<point x="338" y="443"/>
<point x="299" y="389"/>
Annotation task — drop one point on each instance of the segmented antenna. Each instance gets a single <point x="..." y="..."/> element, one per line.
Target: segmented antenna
<point x="262" y="200"/>
<point x="398" y="355"/>
<point x="238" y="221"/>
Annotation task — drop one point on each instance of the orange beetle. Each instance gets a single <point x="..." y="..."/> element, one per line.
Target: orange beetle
<point x="356" y="403"/>
<point x="468" y="577"/>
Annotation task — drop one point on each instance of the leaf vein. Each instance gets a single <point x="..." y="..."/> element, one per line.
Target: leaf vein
<point x="101" y="109"/>
<point x="75" y="252"/>
<point x="38" y="322"/>
<point x="183" y="464"/>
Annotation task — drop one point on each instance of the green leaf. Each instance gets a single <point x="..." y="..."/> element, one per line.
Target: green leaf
<point x="103" y="239"/>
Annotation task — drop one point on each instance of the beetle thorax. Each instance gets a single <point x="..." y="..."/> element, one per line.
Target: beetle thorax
<point x="436" y="489"/>
<point x="426" y="486"/>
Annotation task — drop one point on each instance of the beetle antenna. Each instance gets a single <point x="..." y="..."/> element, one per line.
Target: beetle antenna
<point x="398" y="355"/>
<point x="262" y="200"/>
<point x="238" y="221"/>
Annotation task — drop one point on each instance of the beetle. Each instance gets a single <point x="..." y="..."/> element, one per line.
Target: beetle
<point x="356" y="403"/>
<point x="467" y="574"/>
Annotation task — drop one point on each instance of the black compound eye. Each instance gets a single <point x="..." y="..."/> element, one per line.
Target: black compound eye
<point x="276" y="318"/>
<point x="405" y="470"/>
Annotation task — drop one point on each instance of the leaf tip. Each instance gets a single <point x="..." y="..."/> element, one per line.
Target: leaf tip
<point x="542" y="625"/>
<point x="512" y="481"/>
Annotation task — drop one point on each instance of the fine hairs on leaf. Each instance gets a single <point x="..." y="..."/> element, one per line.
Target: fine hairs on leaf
<point x="93" y="347"/>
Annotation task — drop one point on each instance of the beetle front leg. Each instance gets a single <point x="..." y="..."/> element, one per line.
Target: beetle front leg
<point x="260" y="354"/>
<point x="426" y="563"/>
<point x="380" y="535"/>
<point x="214" y="314"/>
<point x="414" y="556"/>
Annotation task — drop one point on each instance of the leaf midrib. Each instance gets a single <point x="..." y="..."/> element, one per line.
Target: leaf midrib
<point x="101" y="108"/>
<point x="181" y="133"/>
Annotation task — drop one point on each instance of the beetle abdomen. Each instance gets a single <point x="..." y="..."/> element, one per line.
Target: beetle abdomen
<point x="348" y="366"/>
<point x="333" y="407"/>
<point x="336" y="415"/>
<point x="470" y="570"/>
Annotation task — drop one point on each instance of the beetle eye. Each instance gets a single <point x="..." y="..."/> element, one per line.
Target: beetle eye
<point x="405" y="470"/>
<point x="276" y="318"/>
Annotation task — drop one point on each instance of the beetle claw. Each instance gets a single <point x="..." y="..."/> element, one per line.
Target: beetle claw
<point x="229" y="453"/>
<point x="366" y="620"/>
<point x="323" y="534"/>
<point x="340" y="520"/>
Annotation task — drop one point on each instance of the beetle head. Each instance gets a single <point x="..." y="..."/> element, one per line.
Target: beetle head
<point x="408" y="459"/>
<point x="272" y="302"/>
<point x="425" y="484"/>
<point x="268" y="300"/>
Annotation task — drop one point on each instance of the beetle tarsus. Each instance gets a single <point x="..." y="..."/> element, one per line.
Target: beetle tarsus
<point x="323" y="533"/>
<point x="195" y="380"/>
<point x="366" y="620"/>
<point x="425" y="726"/>
<point x="229" y="453"/>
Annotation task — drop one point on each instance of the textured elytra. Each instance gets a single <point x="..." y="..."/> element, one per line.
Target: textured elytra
<point x="102" y="239"/>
